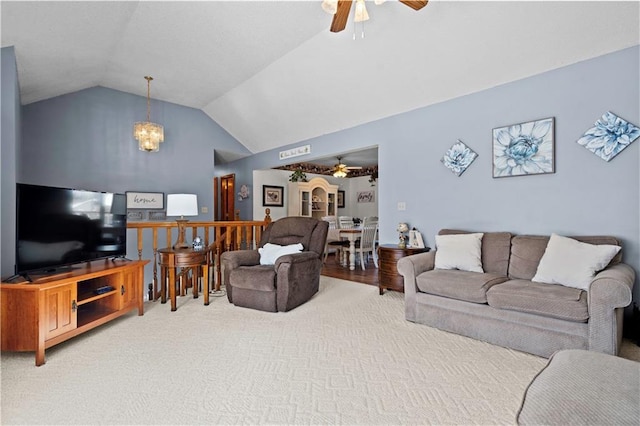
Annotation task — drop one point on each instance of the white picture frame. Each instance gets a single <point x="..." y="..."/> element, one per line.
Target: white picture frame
<point x="415" y="239"/>
<point x="145" y="200"/>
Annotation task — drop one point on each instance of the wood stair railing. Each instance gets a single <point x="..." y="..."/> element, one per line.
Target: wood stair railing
<point x="218" y="237"/>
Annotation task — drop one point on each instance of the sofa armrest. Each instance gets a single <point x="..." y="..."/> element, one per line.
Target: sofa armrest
<point x="231" y="260"/>
<point x="301" y="257"/>
<point x="297" y="279"/>
<point x="235" y="258"/>
<point x="609" y="293"/>
<point x="410" y="267"/>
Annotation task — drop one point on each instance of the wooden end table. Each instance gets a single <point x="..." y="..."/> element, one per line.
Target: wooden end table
<point x="171" y="259"/>
<point x="388" y="256"/>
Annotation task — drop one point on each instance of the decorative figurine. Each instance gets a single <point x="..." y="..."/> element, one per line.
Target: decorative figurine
<point x="402" y="228"/>
<point x="197" y="243"/>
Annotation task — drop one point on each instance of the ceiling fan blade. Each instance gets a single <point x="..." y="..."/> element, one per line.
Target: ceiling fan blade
<point x="354" y="167"/>
<point x="339" y="22"/>
<point x="415" y="4"/>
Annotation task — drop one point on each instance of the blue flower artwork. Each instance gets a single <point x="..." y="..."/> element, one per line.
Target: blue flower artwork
<point x="458" y="157"/>
<point x="524" y="149"/>
<point x="609" y="136"/>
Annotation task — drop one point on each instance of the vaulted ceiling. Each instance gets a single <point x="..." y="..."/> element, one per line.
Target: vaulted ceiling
<point x="272" y="74"/>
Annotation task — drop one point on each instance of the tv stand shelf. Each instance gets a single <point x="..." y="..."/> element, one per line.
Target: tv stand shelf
<point x="53" y="308"/>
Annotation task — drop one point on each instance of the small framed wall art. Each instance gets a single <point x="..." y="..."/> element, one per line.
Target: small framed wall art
<point x="145" y="200"/>
<point x="524" y="149"/>
<point x="458" y="157"/>
<point x="272" y="196"/>
<point x="340" y="199"/>
<point x="609" y="136"/>
<point x="366" y="197"/>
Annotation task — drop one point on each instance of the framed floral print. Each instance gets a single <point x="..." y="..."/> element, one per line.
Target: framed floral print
<point x="524" y="149"/>
<point x="458" y="157"/>
<point x="609" y="136"/>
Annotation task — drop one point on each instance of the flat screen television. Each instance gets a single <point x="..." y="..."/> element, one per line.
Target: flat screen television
<point x="59" y="227"/>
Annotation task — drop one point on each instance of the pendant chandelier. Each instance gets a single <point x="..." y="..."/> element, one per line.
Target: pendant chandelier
<point x="148" y="134"/>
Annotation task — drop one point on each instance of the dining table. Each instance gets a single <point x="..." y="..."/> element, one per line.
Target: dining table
<point x="350" y="234"/>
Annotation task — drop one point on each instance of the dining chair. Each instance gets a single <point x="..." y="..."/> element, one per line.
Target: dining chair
<point x="345" y="222"/>
<point x="376" y="244"/>
<point x="366" y="242"/>
<point x="334" y="242"/>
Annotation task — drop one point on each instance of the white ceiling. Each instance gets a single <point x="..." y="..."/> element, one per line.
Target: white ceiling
<point x="272" y="74"/>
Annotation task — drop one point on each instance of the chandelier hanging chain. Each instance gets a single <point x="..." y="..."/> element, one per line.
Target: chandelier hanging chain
<point x="148" y="78"/>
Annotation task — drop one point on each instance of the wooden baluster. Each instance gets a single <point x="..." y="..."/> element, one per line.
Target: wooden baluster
<point x="140" y="243"/>
<point x="238" y="237"/>
<point x="169" y="244"/>
<point x="218" y="268"/>
<point x="155" y="264"/>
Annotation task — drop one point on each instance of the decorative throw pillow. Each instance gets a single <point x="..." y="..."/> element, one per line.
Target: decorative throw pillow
<point x="269" y="253"/>
<point x="572" y="263"/>
<point x="459" y="251"/>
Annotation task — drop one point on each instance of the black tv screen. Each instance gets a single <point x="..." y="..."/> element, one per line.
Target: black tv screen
<point x="59" y="227"/>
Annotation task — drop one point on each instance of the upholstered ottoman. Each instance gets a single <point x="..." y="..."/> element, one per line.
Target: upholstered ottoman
<point x="580" y="387"/>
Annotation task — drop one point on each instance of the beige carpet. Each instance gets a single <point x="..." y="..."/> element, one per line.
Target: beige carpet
<point x="346" y="357"/>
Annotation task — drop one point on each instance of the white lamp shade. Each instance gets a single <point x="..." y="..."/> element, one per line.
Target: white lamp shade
<point x="182" y="205"/>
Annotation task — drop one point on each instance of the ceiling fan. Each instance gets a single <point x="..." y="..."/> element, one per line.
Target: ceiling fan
<point x="340" y="11"/>
<point x="341" y="169"/>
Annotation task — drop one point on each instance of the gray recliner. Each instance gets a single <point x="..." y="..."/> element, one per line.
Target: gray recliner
<point x="294" y="278"/>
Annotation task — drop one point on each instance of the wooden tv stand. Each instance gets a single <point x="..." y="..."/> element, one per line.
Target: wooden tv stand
<point x="54" y="308"/>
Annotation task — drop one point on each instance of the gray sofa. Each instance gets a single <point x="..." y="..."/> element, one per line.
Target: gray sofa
<point x="504" y="307"/>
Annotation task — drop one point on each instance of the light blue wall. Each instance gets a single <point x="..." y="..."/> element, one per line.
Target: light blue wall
<point x="11" y="119"/>
<point x="84" y="140"/>
<point x="586" y="195"/>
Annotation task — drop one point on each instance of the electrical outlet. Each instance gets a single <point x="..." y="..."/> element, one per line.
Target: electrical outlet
<point x="402" y="205"/>
<point x="204" y="209"/>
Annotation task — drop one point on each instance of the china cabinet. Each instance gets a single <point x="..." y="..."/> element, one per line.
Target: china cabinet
<point x="316" y="198"/>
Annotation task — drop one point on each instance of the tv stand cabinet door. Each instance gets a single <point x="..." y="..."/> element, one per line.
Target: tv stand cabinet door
<point x="60" y="310"/>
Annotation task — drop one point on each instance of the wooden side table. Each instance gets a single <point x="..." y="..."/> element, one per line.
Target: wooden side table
<point x="171" y="259"/>
<point x="388" y="256"/>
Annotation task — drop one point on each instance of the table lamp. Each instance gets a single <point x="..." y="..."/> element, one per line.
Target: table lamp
<point x="182" y="205"/>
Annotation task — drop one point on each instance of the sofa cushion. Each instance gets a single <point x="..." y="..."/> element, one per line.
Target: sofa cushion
<point x="260" y="278"/>
<point x="461" y="252"/>
<point x="461" y="285"/>
<point x="527" y="250"/>
<point x="572" y="263"/>
<point x="496" y="247"/>
<point x="542" y="299"/>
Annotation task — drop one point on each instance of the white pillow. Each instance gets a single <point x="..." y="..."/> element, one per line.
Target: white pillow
<point x="459" y="251"/>
<point x="269" y="253"/>
<point x="572" y="263"/>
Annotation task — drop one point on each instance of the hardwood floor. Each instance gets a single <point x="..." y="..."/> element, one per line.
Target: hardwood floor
<point x="333" y="268"/>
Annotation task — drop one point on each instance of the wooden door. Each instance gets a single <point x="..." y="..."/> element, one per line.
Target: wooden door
<point x="60" y="310"/>
<point x="224" y="197"/>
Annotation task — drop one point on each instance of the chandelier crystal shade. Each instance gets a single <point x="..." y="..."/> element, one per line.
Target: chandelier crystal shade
<point x="148" y="134"/>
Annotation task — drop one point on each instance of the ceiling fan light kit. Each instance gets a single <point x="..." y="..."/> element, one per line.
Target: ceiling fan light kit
<point x="340" y="170"/>
<point x="340" y="11"/>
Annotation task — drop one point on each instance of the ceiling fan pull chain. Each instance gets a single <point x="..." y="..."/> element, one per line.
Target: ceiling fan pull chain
<point x="355" y="24"/>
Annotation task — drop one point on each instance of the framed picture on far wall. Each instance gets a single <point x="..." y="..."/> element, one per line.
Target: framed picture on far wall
<point x="272" y="196"/>
<point x="340" y="199"/>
